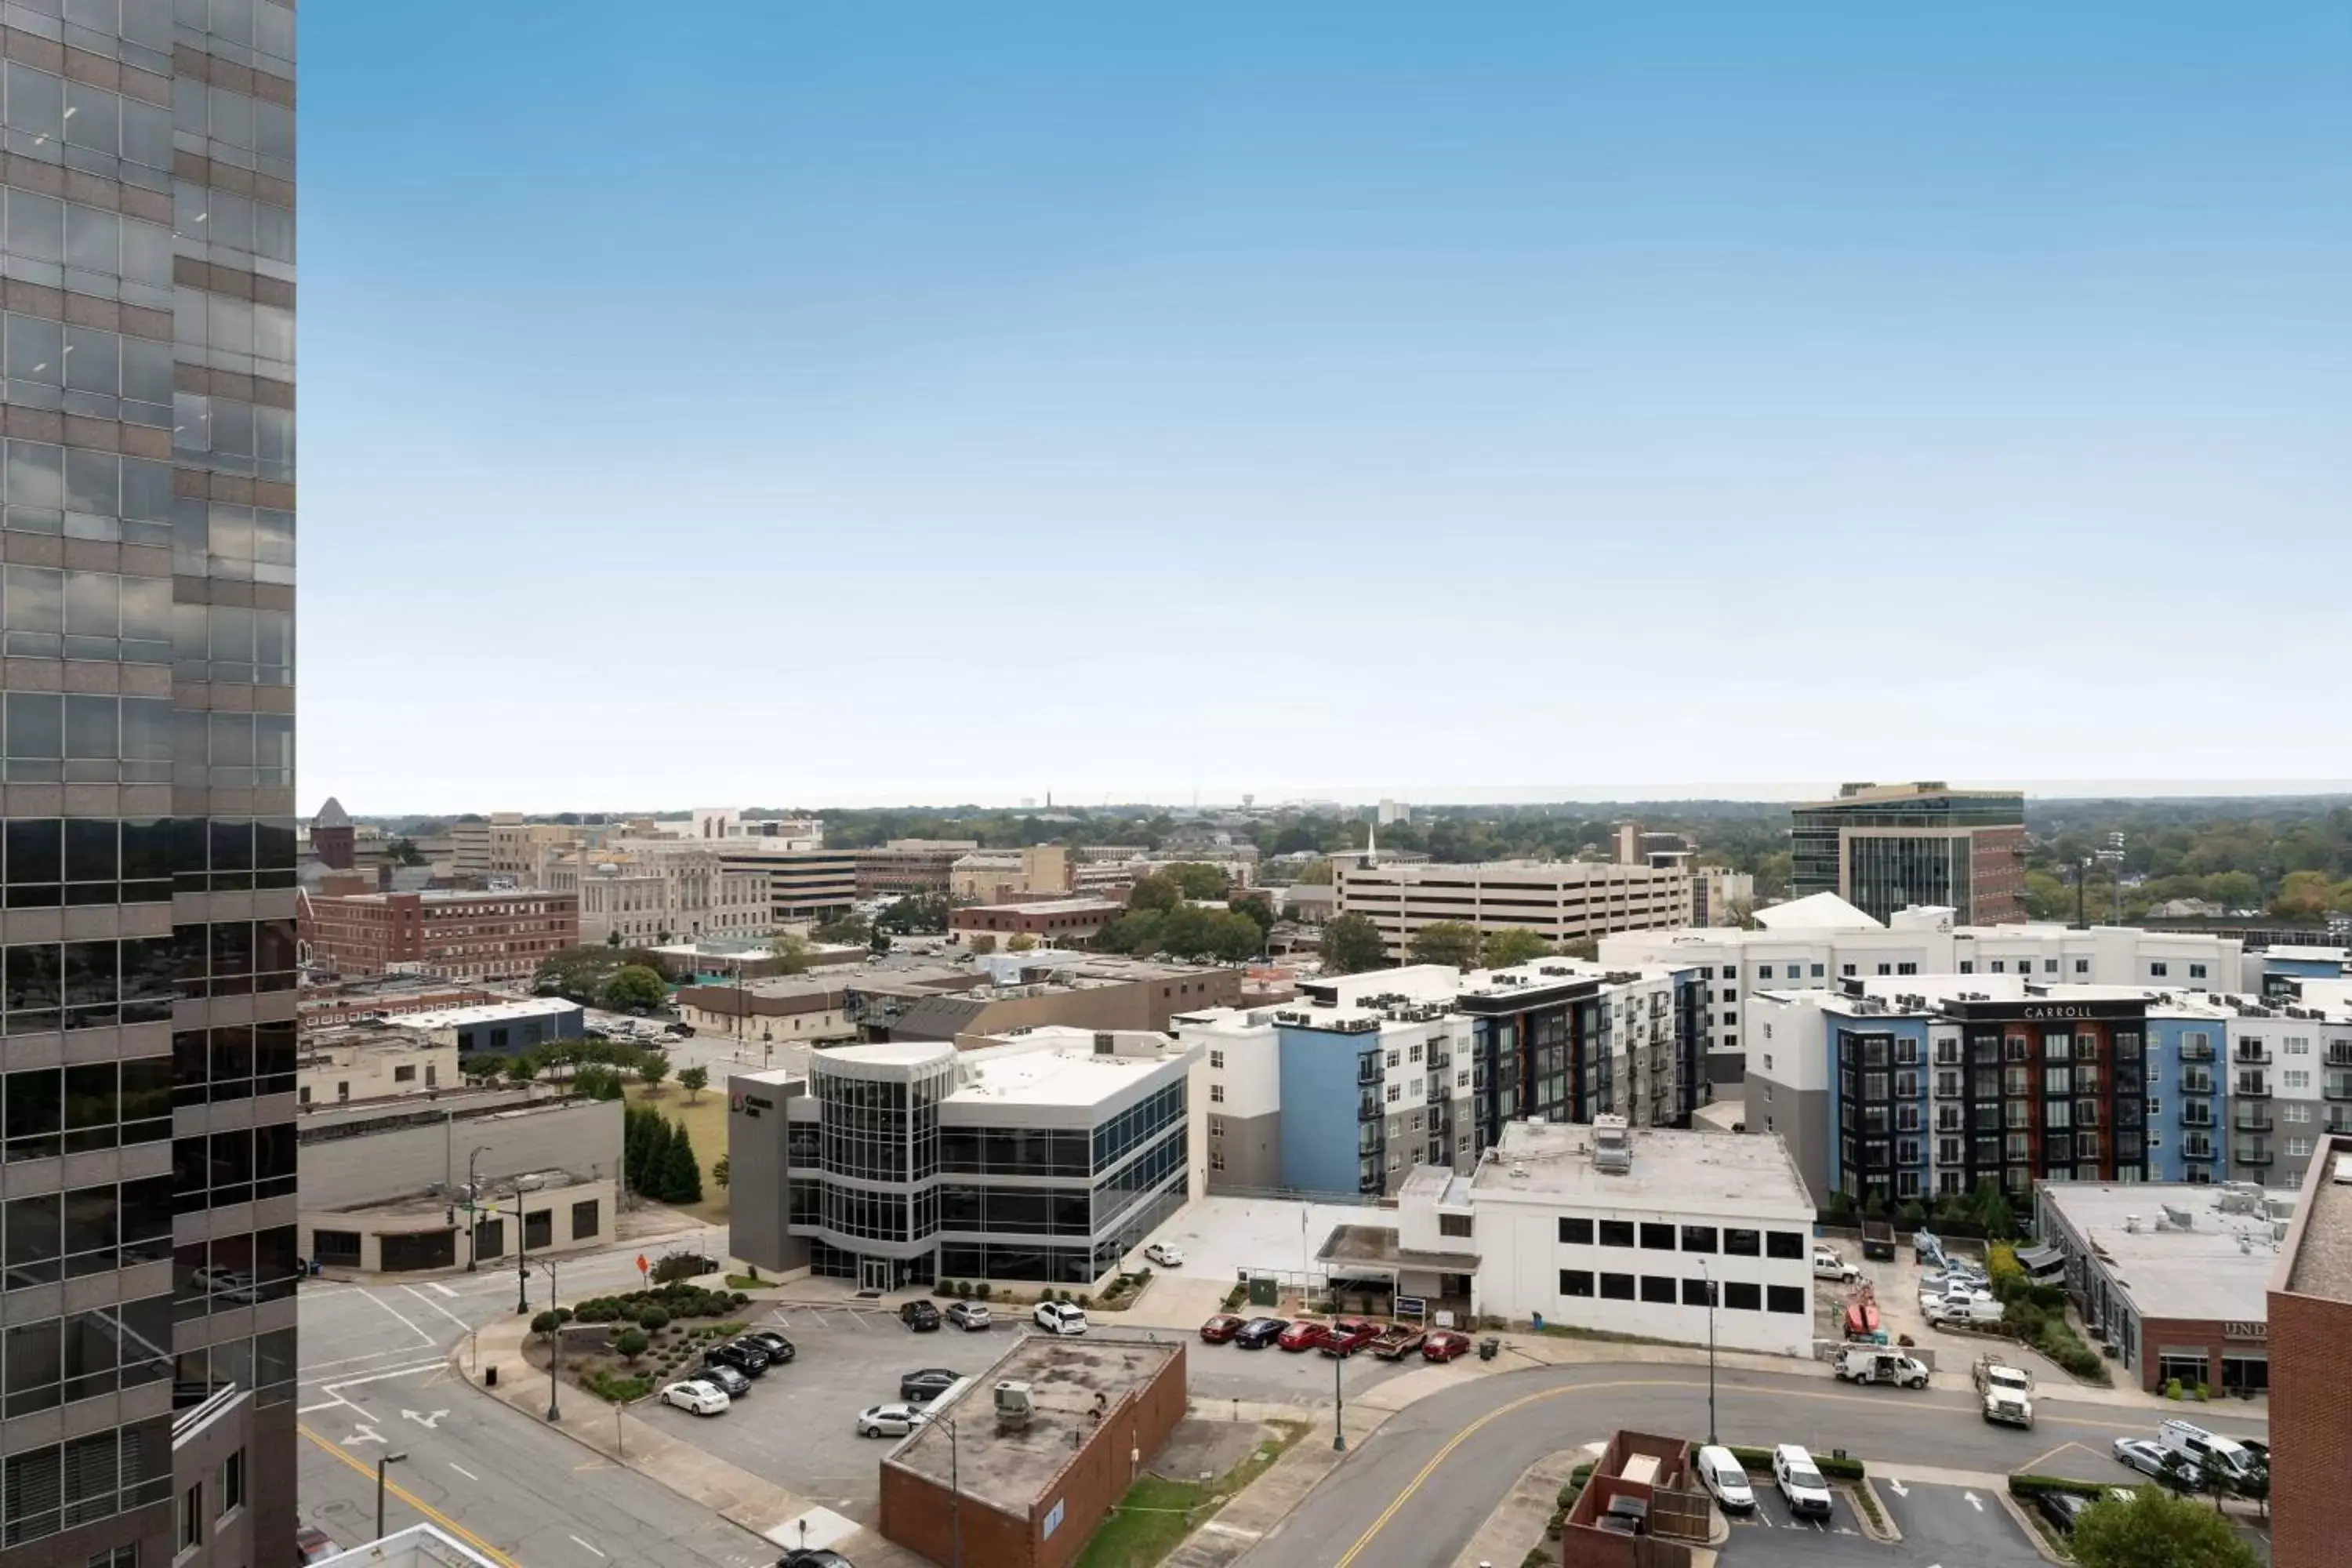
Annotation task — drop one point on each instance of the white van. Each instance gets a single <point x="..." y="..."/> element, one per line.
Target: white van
<point x="2192" y="1443"/>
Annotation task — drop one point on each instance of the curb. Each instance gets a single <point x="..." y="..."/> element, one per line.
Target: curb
<point x="1878" y="1524"/>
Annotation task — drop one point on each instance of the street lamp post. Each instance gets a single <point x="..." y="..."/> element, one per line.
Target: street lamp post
<point x="473" y="1209"/>
<point x="522" y="1256"/>
<point x="1338" y="1406"/>
<point x="380" y="1464"/>
<point x="1708" y="1274"/>
<point x="555" y="1345"/>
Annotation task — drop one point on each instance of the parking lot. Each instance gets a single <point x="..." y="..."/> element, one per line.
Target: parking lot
<point x="795" y="1427"/>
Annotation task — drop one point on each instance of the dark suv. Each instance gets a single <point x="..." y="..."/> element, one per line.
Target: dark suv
<point x="920" y="1316"/>
<point x="748" y="1359"/>
<point x="779" y="1348"/>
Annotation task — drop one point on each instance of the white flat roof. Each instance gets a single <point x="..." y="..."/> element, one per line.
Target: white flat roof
<point x="1053" y="1074"/>
<point x="1673" y="1171"/>
<point x="2219" y="1268"/>
<point x="1816" y="911"/>
<point x="486" y="1013"/>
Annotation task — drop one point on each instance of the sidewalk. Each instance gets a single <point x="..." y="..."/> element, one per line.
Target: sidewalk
<point x="1518" y="1522"/>
<point x="1260" y="1509"/>
<point x="609" y="1431"/>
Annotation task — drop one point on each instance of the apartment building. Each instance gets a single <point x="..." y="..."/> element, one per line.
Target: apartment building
<point x="1037" y="1159"/>
<point x="1561" y="901"/>
<point x="905" y="867"/>
<point x="458" y="935"/>
<point x="1366" y="1077"/>
<point x="1884" y="847"/>
<point x="1821" y="940"/>
<point x="148" y="798"/>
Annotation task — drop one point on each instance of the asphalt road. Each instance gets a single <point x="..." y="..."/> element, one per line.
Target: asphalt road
<point x="377" y="1382"/>
<point x="1956" y="1525"/>
<point x="1419" y="1488"/>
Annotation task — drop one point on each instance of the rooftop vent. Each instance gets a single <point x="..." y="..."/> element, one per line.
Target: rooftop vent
<point x="2176" y="1216"/>
<point x="1613" y="1146"/>
<point x="2342" y="1177"/>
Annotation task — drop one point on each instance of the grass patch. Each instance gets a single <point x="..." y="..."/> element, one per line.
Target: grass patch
<point x="1156" y="1515"/>
<point x="1573" y="1331"/>
<point x="615" y="1388"/>
<point x="743" y="1281"/>
<point x="705" y="1119"/>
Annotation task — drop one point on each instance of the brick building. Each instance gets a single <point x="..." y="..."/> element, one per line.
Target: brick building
<point x="1048" y="919"/>
<point x="2310" y="1324"/>
<point x="909" y="866"/>
<point x="1029" y="1497"/>
<point x="459" y="935"/>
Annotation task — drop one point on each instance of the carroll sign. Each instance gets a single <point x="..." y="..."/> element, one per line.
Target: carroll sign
<point x="2083" y="1010"/>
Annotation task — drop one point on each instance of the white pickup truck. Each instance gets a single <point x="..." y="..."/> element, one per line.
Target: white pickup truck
<point x="2007" y="1391"/>
<point x="1828" y="1265"/>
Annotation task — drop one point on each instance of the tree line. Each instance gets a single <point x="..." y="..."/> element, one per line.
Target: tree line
<point x="658" y="1156"/>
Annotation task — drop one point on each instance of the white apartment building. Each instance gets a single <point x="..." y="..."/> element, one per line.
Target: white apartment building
<point x="1561" y="901"/>
<point x="1625" y="1231"/>
<point x="1820" y="940"/>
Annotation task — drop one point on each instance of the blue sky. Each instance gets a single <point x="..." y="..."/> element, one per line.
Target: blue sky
<point x="852" y="403"/>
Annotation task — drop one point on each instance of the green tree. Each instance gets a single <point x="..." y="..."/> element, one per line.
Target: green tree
<point x="522" y="1067"/>
<point x="1256" y="909"/>
<point x="630" y="1344"/>
<point x="791" y="951"/>
<point x="847" y="931"/>
<point x="981" y="943"/>
<point x="694" y="1081"/>
<point x="2153" y="1529"/>
<point x="1197" y="879"/>
<point x="681" y="1180"/>
<point x="652" y="1067"/>
<point x="544" y="1325"/>
<point x="721" y="1171"/>
<point x="1451" y="942"/>
<point x="1988" y="1206"/>
<point x="1352" y="944"/>
<point x="1314" y="874"/>
<point x="914" y="916"/>
<point x="613" y="939"/>
<point x="580" y="972"/>
<point x="1156" y="892"/>
<point x="1021" y="941"/>
<point x="633" y="986"/>
<point x="1512" y="944"/>
<point x="404" y="852"/>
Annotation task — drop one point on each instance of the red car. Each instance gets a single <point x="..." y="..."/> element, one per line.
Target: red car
<point x="1445" y="1344"/>
<point x="1349" y="1335"/>
<point x="1304" y="1335"/>
<point x="1220" y="1328"/>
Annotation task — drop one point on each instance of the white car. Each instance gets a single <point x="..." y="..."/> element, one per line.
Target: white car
<point x="969" y="1316"/>
<point x="1725" y="1479"/>
<point x="1059" y="1317"/>
<point x="1828" y="1265"/>
<point x="702" y="1398"/>
<point x="888" y="1420"/>
<point x="1165" y="1256"/>
<point x="1800" y="1483"/>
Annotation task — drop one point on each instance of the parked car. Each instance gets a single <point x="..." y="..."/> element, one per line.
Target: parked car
<point x="1059" y="1317"/>
<point x="1304" y="1335"/>
<point x="1443" y="1345"/>
<point x="1828" y="1265"/>
<point x="2140" y="1454"/>
<point x="1165" y="1256"/>
<point x="969" y="1316"/>
<point x="1800" y="1483"/>
<point x="922" y="1387"/>
<point x="1955" y="1309"/>
<point x="2195" y="1444"/>
<point x="888" y="1420"/>
<point x="1220" y="1328"/>
<point x="1397" y="1341"/>
<point x="751" y="1360"/>
<point x="1347" y="1335"/>
<point x="718" y="1372"/>
<point x="313" y="1545"/>
<point x="1259" y="1333"/>
<point x="920" y="1316"/>
<point x="1869" y="1363"/>
<point x="780" y="1349"/>
<point x="814" y="1557"/>
<point x="700" y="1397"/>
<point x="2062" y="1509"/>
<point x="1725" y="1479"/>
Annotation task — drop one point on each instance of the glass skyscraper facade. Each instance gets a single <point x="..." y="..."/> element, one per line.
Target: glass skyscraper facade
<point x="147" y="1208"/>
<point x="1884" y="849"/>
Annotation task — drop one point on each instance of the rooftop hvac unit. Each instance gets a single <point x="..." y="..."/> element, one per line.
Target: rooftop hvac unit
<point x="1014" y="1407"/>
<point x="2176" y="1216"/>
<point x="1613" y="1147"/>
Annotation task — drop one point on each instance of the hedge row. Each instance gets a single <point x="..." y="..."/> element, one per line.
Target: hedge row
<point x="2026" y="1488"/>
<point x="1759" y="1460"/>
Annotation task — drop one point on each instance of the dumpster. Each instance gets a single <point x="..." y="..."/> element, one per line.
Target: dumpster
<point x="1488" y="1347"/>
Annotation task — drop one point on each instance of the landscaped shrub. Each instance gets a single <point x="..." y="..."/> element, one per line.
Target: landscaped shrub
<point x="653" y="1319"/>
<point x="945" y="1288"/>
<point x="1085" y="1301"/>
<point x="2029" y="1487"/>
<point x="2172" y="1388"/>
<point x="963" y="1290"/>
<point x="982" y="1290"/>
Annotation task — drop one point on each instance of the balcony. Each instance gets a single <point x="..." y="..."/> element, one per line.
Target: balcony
<point x="2196" y="1083"/>
<point x="1367" y="1070"/>
<point x="1368" y="1108"/>
<point x="2197" y="1115"/>
<point x="2339" y="1053"/>
<point x="2253" y="1089"/>
<point x="2335" y="1086"/>
<point x="2338" y="1121"/>
<point x="2197" y="1150"/>
<point x="2196" y="1053"/>
<point x="2251" y="1056"/>
<point x="2251" y="1119"/>
<point x="2255" y="1154"/>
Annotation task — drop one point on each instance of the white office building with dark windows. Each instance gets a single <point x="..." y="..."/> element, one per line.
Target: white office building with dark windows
<point x="1039" y="1158"/>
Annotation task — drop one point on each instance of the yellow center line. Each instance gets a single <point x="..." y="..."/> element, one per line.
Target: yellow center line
<point x="413" y="1501"/>
<point x="1470" y="1431"/>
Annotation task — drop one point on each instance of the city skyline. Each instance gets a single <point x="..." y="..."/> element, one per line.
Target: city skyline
<point x="1690" y="394"/>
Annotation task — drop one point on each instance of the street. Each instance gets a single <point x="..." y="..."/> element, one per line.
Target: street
<point x="1422" y="1485"/>
<point x="377" y="1382"/>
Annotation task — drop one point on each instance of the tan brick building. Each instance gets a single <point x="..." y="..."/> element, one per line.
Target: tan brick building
<point x="460" y="935"/>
